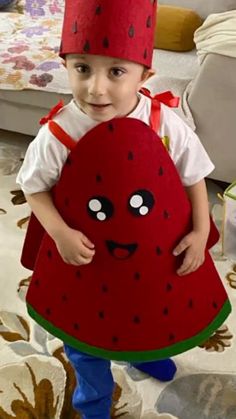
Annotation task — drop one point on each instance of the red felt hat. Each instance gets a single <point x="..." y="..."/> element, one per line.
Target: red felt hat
<point x="122" y="29"/>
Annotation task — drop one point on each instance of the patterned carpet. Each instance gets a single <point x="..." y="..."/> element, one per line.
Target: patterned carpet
<point x="36" y="381"/>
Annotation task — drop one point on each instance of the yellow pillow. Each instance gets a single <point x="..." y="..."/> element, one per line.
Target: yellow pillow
<point x="175" y="28"/>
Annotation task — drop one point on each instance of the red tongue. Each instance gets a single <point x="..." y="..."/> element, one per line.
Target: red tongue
<point x="121" y="253"/>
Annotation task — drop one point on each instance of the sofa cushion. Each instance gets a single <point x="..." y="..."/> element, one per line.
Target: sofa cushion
<point x="203" y="7"/>
<point x="175" y="28"/>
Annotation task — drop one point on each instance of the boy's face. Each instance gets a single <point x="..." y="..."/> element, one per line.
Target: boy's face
<point x="105" y="87"/>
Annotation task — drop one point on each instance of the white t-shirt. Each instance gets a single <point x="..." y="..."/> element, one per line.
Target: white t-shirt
<point x="46" y="156"/>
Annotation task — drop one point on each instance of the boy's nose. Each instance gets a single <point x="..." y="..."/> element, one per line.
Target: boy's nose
<point x="97" y="86"/>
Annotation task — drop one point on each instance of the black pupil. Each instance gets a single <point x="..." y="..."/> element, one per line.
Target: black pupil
<point x="141" y="202"/>
<point x="100" y="208"/>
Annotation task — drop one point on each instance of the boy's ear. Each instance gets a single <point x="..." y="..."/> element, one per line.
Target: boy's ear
<point x="147" y="74"/>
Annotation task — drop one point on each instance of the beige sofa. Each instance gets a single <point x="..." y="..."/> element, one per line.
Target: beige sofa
<point x="208" y="94"/>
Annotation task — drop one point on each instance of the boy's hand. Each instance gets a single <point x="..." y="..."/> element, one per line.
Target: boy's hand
<point x="194" y="245"/>
<point x="74" y="247"/>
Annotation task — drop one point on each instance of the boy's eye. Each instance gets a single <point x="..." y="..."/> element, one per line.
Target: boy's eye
<point x="117" y="72"/>
<point x="82" y="68"/>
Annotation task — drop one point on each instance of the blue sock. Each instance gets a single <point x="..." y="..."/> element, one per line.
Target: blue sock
<point x="163" y="370"/>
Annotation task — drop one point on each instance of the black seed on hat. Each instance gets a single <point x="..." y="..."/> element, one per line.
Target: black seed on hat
<point x="215" y="305"/>
<point x="149" y="22"/>
<point x="115" y="339"/>
<point x="49" y="254"/>
<point x="48" y="311"/>
<point x="104" y="288"/>
<point x="87" y="46"/>
<point x="68" y="161"/>
<point x="111" y="127"/>
<point x="98" y="178"/>
<point x="145" y="54"/>
<point x="131" y="31"/>
<point x="169" y="287"/>
<point x="74" y="27"/>
<point x="166" y="311"/>
<point x="171" y="336"/>
<point x="106" y="42"/>
<point x="76" y="326"/>
<point x="78" y="274"/>
<point x="136" y="319"/>
<point x="61" y="46"/>
<point x="66" y="202"/>
<point x="190" y="303"/>
<point x="98" y="10"/>
<point x="161" y="171"/>
<point x="137" y="276"/>
<point x="130" y="155"/>
<point x="166" y="214"/>
<point x="101" y="314"/>
<point x="158" y="251"/>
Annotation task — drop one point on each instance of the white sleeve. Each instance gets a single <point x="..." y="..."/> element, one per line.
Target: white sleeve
<point x="43" y="162"/>
<point x="186" y="150"/>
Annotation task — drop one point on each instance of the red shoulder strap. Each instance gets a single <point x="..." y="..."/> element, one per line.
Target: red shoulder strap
<point x="61" y="135"/>
<point x="167" y="98"/>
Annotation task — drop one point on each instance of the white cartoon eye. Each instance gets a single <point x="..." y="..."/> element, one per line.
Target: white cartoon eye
<point x="100" y="208"/>
<point x="141" y="202"/>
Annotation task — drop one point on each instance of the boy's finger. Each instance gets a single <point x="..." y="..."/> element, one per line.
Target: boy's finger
<point x="87" y="242"/>
<point x="183" y="245"/>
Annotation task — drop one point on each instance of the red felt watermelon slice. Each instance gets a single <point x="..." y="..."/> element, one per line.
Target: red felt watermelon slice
<point x="121" y="189"/>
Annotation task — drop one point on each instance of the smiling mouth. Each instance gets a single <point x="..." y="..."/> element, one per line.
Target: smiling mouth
<point x="99" y="106"/>
<point x="121" y="251"/>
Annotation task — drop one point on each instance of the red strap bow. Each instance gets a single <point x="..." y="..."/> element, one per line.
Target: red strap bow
<point x="51" y="113"/>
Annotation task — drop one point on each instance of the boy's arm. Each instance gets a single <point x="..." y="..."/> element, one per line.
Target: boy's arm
<point x="194" y="243"/>
<point x="74" y="247"/>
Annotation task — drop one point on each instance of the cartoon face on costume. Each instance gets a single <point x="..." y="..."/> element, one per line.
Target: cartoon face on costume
<point x="122" y="190"/>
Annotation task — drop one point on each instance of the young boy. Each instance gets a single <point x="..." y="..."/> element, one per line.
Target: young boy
<point x="107" y="51"/>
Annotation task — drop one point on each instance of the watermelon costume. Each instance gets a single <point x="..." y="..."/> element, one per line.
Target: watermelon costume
<point x="121" y="189"/>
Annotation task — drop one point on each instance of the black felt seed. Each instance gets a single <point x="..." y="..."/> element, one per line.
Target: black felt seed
<point x="215" y="305"/>
<point x="190" y="303"/>
<point x="67" y="202"/>
<point x="64" y="298"/>
<point x="166" y="311"/>
<point x="136" y="319"/>
<point x="131" y="31"/>
<point x="161" y="171"/>
<point x="166" y="214"/>
<point x="48" y="311"/>
<point x="137" y="276"/>
<point x="68" y="161"/>
<point x="145" y="54"/>
<point x="130" y="155"/>
<point x="158" y="251"/>
<point x="104" y="288"/>
<point x="98" y="178"/>
<point x="115" y="339"/>
<point x="101" y="314"/>
<point x="76" y="326"/>
<point x="110" y="127"/>
<point x="171" y="336"/>
<point x="98" y="10"/>
<point x="105" y="43"/>
<point x="49" y="254"/>
<point x="87" y="46"/>
<point x="74" y="27"/>
<point x="78" y="274"/>
<point x="149" y="22"/>
<point x="169" y="287"/>
<point x="37" y="282"/>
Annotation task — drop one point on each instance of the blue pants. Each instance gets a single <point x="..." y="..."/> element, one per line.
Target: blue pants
<point x="93" y="394"/>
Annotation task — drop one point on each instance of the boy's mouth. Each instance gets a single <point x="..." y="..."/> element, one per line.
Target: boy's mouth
<point x="99" y="106"/>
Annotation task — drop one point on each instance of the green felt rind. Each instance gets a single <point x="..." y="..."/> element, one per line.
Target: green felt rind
<point x="140" y="356"/>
